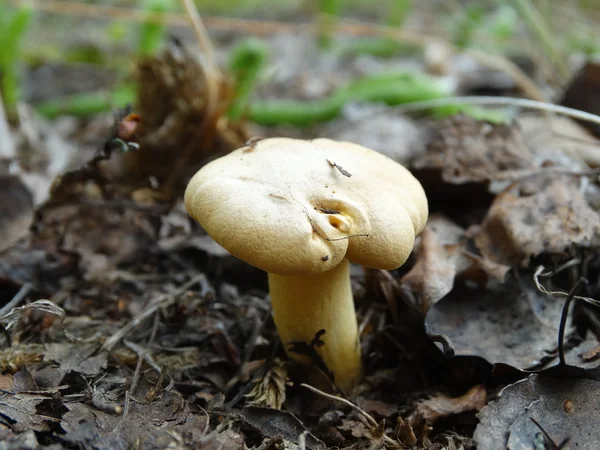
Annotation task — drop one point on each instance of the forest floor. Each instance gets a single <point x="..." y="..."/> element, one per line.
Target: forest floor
<point x="125" y="326"/>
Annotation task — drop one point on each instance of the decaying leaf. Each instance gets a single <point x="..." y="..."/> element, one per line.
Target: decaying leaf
<point x="16" y="210"/>
<point x="273" y="423"/>
<point x="172" y="117"/>
<point x="440" y="406"/>
<point x="19" y="412"/>
<point x="465" y="150"/>
<point x="270" y="390"/>
<point x="151" y="425"/>
<point x="442" y="256"/>
<point x="582" y="93"/>
<point x="566" y="408"/>
<point x="514" y="324"/>
<point x="558" y="141"/>
<point x="545" y="214"/>
<point x="81" y="358"/>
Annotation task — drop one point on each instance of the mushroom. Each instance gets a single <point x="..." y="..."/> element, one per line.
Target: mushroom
<point x="302" y="211"/>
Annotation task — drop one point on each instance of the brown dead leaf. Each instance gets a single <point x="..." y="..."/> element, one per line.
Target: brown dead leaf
<point x="547" y="214"/>
<point x="272" y="423"/>
<point x="171" y="119"/>
<point x="16" y="210"/>
<point x="559" y="141"/>
<point x="81" y="358"/>
<point x="583" y="92"/>
<point x="440" y="406"/>
<point x="377" y="407"/>
<point x="441" y="258"/>
<point x="406" y="433"/>
<point x="270" y="390"/>
<point x="355" y="427"/>
<point x="19" y="412"/>
<point x="465" y="150"/>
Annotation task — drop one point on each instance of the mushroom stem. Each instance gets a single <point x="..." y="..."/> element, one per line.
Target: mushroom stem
<point x="305" y="304"/>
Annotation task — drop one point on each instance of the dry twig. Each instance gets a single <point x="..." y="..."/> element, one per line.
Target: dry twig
<point x="161" y="302"/>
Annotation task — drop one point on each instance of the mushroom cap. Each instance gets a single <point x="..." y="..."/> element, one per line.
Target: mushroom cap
<point x="291" y="207"/>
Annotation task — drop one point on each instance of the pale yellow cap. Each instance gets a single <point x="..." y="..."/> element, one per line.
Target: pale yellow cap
<point x="290" y="206"/>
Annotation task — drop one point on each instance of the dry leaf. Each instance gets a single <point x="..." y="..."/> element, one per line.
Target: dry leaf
<point x="16" y="210"/>
<point x="465" y="150"/>
<point x="440" y="406"/>
<point x="506" y="422"/>
<point x="546" y="214"/>
<point x="270" y="391"/>
<point x="441" y="257"/>
<point x="559" y="141"/>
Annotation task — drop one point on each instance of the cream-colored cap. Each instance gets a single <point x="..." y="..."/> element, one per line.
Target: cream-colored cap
<point x="290" y="206"/>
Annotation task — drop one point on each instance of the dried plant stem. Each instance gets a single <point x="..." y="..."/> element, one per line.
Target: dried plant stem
<point x="209" y="64"/>
<point x="161" y="302"/>
<point x="500" y="101"/>
<point x="18" y="298"/>
<point x="386" y="439"/>
<point x="542" y="289"/>
<point x="563" y="320"/>
<point x="257" y="28"/>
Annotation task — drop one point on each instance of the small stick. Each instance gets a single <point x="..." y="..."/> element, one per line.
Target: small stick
<point x="542" y="289"/>
<point x="563" y="321"/>
<point x="161" y="302"/>
<point x="18" y="298"/>
<point x="509" y="101"/>
<point x="365" y="414"/>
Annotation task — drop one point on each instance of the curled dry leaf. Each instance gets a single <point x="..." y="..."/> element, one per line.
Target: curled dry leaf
<point x="16" y="210"/>
<point x="562" y="407"/>
<point x="270" y="390"/>
<point x="544" y="214"/>
<point x="171" y="119"/>
<point x="441" y="257"/>
<point x="440" y="406"/>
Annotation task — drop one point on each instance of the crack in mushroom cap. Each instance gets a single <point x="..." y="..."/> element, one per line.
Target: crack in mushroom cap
<point x="288" y="206"/>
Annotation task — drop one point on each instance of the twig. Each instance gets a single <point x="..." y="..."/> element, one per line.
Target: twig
<point x="511" y="101"/>
<point x="134" y="382"/>
<point x="567" y="265"/>
<point x="161" y="302"/>
<point x="143" y="354"/>
<point x="201" y="33"/>
<point x="547" y="437"/>
<point x="210" y="67"/>
<point x="18" y="298"/>
<point x="542" y="289"/>
<point x="563" y="321"/>
<point x="365" y="414"/>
